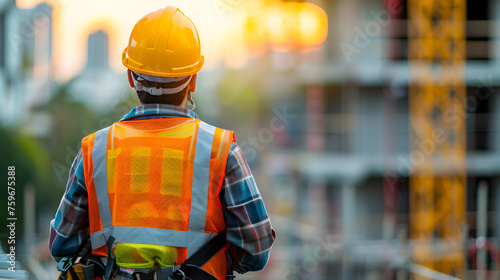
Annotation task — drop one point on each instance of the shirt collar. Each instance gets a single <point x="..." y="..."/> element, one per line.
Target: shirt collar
<point x="151" y="111"/>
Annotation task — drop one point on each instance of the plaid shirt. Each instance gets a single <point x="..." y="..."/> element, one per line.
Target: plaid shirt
<point x="248" y="227"/>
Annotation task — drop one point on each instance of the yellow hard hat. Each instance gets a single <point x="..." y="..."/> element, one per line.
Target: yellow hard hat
<point x="164" y="43"/>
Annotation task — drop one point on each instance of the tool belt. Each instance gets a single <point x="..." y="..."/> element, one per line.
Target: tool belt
<point x="88" y="267"/>
<point x="189" y="270"/>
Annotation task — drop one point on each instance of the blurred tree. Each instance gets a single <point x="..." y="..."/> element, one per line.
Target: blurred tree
<point x="238" y="95"/>
<point x="29" y="158"/>
<point x="69" y="121"/>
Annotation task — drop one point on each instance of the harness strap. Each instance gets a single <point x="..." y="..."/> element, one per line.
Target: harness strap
<point x="161" y="274"/>
<point x="91" y="266"/>
<point x="110" y="263"/>
<point x="192" y="272"/>
<point x="88" y="271"/>
<point x="230" y="275"/>
<point x="205" y="253"/>
<point x="73" y="273"/>
<point x="191" y="268"/>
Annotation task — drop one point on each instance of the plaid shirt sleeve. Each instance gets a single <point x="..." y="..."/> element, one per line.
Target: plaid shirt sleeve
<point x="70" y="228"/>
<point x="249" y="229"/>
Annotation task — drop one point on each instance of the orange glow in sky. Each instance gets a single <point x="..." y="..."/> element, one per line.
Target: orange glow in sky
<point x="75" y="19"/>
<point x="230" y="31"/>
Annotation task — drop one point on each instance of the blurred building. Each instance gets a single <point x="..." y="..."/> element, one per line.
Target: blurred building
<point x="37" y="86"/>
<point x="98" y="85"/>
<point x="340" y="167"/>
<point x="25" y="57"/>
<point x="10" y="62"/>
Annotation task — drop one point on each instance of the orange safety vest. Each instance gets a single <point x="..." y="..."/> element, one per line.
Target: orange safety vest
<point x="154" y="186"/>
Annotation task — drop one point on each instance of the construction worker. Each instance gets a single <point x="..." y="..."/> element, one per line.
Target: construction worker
<point x="161" y="193"/>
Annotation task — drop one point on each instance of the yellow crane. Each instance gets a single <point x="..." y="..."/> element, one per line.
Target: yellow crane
<point x="437" y="96"/>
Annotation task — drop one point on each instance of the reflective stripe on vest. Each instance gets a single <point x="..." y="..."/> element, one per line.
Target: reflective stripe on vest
<point x="100" y="177"/>
<point x="118" y="169"/>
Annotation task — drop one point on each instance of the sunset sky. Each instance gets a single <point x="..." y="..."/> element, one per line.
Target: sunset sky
<point x="75" y="19"/>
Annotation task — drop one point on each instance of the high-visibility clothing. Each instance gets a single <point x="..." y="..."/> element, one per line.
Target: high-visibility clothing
<point x="164" y="43"/>
<point x="154" y="185"/>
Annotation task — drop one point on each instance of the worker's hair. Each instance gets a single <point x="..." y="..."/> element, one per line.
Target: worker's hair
<point x="171" y="99"/>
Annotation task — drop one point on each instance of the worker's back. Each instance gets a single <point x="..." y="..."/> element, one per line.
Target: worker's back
<point x="155" y="185"/>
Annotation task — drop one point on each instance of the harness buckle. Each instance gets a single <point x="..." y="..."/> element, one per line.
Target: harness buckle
<point x="175" y="276"/>
<point x="183" y="275"/>
<point x="64" y="264"/>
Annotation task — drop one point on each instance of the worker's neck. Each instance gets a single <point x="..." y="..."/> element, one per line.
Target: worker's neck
<point x="182" y="105"/>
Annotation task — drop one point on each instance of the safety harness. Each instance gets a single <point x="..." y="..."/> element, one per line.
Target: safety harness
<point x="189" y="270"/>
<point x="89" y="267"/>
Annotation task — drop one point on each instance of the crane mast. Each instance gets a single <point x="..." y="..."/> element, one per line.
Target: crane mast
<point x="437" y="97"/>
